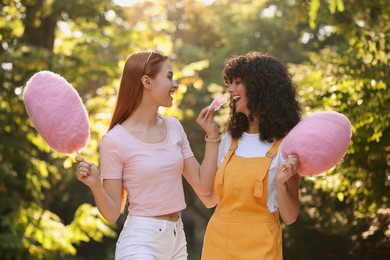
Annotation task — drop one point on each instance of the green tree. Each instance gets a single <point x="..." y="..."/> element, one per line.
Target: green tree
<point x="43" y="214"/>
<point x="347" y="72"/>
<point x="337" y="51"/>
<point x="35" y="182"/>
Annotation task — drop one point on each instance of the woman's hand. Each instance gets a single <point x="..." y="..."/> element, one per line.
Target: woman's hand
<point x="206" y="121"/>
<point x="287" y="181"/>
<point x="107" y="197"/>
<point x="287" y="170"/>
<point x="87" y="173"/>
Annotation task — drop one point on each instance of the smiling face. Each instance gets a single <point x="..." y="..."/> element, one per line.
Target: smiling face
<point x="163" y="86"/>
<point x="237" y="91"/>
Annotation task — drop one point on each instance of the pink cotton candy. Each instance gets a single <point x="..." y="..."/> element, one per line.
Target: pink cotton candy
<point x="215" y="105"/>
<point x="57" y="112"/>
<point x="320" y="141"/>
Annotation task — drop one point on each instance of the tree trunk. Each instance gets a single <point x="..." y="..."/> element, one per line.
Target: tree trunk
<point x="40" y="24"/>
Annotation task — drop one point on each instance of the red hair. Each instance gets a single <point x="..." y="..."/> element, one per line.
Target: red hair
<point x="131" y="88"/>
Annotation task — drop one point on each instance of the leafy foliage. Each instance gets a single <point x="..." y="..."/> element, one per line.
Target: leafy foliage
<point x="337" y="51"/>
<point x="34" y="180"/>
<point x="350" y="75"/>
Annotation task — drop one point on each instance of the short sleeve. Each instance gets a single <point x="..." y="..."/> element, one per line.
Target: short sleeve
<point x="224" y="147"/>
<point x="184" y="144"/>
<point x="111" y="163"/>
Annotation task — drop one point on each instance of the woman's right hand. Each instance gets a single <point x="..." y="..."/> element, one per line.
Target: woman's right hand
<point x="87" y="173"/>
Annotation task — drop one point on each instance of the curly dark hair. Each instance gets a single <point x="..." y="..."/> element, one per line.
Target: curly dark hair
<point x="271" y="95"/>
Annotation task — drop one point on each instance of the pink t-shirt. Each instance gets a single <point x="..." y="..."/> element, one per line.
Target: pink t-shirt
<point x="151" y="173"/>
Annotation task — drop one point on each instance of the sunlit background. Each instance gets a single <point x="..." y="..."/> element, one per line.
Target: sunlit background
<point x="337" y="52"/>
<point x="129" y="3"/>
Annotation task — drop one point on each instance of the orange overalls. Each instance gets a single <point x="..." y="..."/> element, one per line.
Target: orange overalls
<point x="242" y="226"/>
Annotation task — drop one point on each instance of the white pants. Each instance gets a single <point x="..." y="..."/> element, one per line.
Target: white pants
<point x="151" y="239"/>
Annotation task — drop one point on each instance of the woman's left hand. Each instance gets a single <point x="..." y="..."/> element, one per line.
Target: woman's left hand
<point x="286" y="170"/>
<point x="207" y="123"/>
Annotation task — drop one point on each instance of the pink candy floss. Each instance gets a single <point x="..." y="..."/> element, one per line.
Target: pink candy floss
<point x="57" y="112"/>
<point x="215" y="105"/>
<point x="320" y="141"/>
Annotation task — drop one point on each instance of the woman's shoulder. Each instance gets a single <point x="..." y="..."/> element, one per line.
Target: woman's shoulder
<point x="116" y="130"/>
<point x="172" y="122"/>
<point x="226" y="140"/>
<point x="115" y="134"/>
<point x="170" y="119"/>
<point x="227" y="137"/>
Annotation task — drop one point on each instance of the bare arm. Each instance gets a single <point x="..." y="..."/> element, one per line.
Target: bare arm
<point x="107" y="193"/>
<point x="201" y="177"/>
<point x="191" y="173"/>
<point x="287" y="181"/>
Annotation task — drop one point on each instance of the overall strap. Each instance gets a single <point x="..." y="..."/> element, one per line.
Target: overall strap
<point x="274" y="149"/>
<point x="221" y="169"/>
<point x="259" y="187"/>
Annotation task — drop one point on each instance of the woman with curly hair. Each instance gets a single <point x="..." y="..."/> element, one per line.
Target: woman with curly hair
<point x="253" y="183"/>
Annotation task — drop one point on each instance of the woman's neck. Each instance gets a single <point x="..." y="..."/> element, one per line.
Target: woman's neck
<point x="253" y="127"/>
<point x="147" y="126"/>
<point x="143" y="118"/>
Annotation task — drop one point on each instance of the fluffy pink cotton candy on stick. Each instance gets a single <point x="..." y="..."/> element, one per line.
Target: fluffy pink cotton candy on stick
<point x="57" y="112"/>
<point x="215" y="105"/>
<point x="320" y="141"/>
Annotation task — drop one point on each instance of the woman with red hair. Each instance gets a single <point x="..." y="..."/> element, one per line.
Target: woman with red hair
<point x="143" y="157"/>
